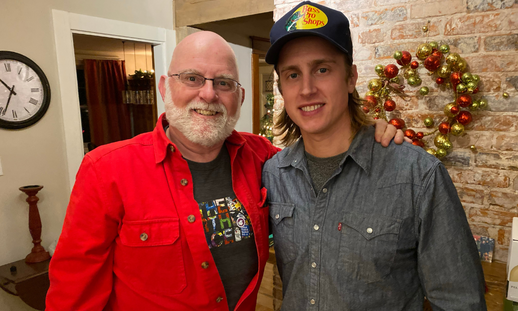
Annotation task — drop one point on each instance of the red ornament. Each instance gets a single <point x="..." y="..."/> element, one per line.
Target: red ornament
<point x="475" y="91"/>
<point x="419" y="135"/>
<point x="377" y="110"/>
<point x="437" y="53"/>
<point x="444" y="128"/>
<point x="405" y="59"/>
<point x="432" y="63"/>
<point x="389" y="105"/>
<point x="371" y="101"/>
<point x="376" y="118"/>
<point x="365" y="109"/>
<point x="454" y="110"/>
<point x="439" y="80"/>
<point x="464" y="100"/>
<point x="398" y="123"/>
<point x="455" y="79"/>
<point x="414" y="64"/>
<point x="464" y="117"/>
<point x="418" y="142"/>
<point x="391" y="71"/>
<point x="410" y="133"/>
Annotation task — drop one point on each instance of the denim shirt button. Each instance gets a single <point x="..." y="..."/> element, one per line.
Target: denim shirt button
<point x="277" y="216"/>
<point x="312" y="301"/>
<point x="316" y="227"/>
<point x="313" y="265"/>
<point x="324" y="190"/>
<point x="369" y="230"/>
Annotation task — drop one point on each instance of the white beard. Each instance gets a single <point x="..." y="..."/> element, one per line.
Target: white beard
<point x="202" y="132"/>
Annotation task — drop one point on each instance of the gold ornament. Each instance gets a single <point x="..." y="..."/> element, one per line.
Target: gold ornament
<point x="473" y="148"/>
<point x="475" y="78"/>
<point x="439" y="140"/>
<point x="428" y="122"/>
<point x="395" y="80"/>
<point x="412" y="81"/>
<point x="423" y="51"/>
<point x="452" y="59"/>
<point x="461" y="65"/>
<point x="441" y="153"/>
<point x="474" y="106"/>
<point x="505" y="95"/>
<point x="444" y="71"/>
<point x="457" y="129"/>
<point x="418" y="81"/>
<point x="375" y="85"/>
<point x="462" y="88"/>
<point x="447" y="145"/>
<point x="447" y="110"/>
<point x="379" y="69"/>
<point x="483" y="103"/>
<point x="433" y="45"/>
<point x="424" y="91"/>
<point x="431" y="151"/>
<point x="369" y="93"/>
<point x="425" y="28"/>
<point x="466" y="77"/>
<point x="384" y="92"/>
<point x="444" y="48"/>
<point x="398" y="55"/>
<point x="472" y="85"/>
<point x="409" y="73"/>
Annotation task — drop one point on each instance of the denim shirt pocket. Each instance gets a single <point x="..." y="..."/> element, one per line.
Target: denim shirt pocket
<point x="152" y="250"/>
<point x="283" y="229"/>
<point x="368" y="246"/>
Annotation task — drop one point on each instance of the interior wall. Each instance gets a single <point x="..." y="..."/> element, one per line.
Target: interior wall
<point x="36" y="155"/>
<point x="244" y="64"/>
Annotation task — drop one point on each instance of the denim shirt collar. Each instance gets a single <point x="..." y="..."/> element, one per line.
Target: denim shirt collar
<point x="360" y="151"/>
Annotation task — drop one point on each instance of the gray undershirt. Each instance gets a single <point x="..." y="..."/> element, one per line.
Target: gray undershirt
<point x="321" y="169"/>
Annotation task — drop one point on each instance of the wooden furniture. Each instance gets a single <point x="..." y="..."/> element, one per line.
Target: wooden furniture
<point x="38" y="253"/>
<point x="29" y="281"/>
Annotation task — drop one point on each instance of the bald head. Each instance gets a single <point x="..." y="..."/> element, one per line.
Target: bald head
<point x="201" y="48"/>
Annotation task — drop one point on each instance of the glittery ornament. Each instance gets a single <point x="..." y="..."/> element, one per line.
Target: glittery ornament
<point x="409" y="73"/>
<point x="461" y="65"/>
<point x="462" y="88"/>
<point x="432" y="63"/>
<point x="409" y="133"/>
<point x="475" y="91"/>
<point x="455" y="79"/>
<point x="418" y="81"/>
<point x="471" y="85"/>
<point x="483" y="103"/>
<point x="398" y="123"/>
<point x="428" y="122"/>
<point x="439" y="140"/>
<point x="398" y="55"/>
<point x="474" y="106"/>
<point x="395" y="80"/>
<point x="434" y="45"/>
<point x="419" y="135"/>
<point x="441" y="153"/>
<point x="475" y="78"/>
<point x="417" y="142"/>
<point x="444" y="128"/>
<point x="444" y="48"/>
<point x="447" y="145"/>
<point x="444" y="71"/>
<point x="439" y="80"/>
<point x="414" y="64"/>
<point x="431" y="151"/>
<point x="457" y="129"/>
<point x="405" y="59"/>
<point x="375" y="85"/>
<point x="464" y="117"/>
<point x="379" y="69"/>
<point x="464" y="100"/>
<point x="369" y="93"/>
<point x="423" y="50"/>
<point x="424" y="91"/>
<point x="412" y="81"/>
<point x="389" y="105"/>
<point x="365" y="109"/>
<point x="371" y="101"/>
<point x="466" y="77"/>
<point x="453" y="59"/>
<point x="391" y="71"/>
<point x="448" y="110"/>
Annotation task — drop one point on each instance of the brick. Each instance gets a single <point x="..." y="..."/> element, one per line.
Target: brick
<point x="437" y="8"/>
<point x="470" y="195"/>
<point x="464" y="45"/>
<point x="508" y="200"/>
<point x="512" y="81"/>
<point x="479" y="229"/>
<point x="492" y="63"/>
<point x="353" y="5"/>
<point x="515" y="183"/>
<point x="361" y="53"/>
<point x="471" y="24"/>
<point x="494" y="123"/>
<point x="396" y="14"/>
<point x="485" y="141"/>
<point x="506" y="142"/>
<point x="458" y="158"/>
<point x="354" y="20"/>
<point x="405" y="105"/>
<point x="489" y="83"/>
<point x="437" y="103"/>
<point x="491" y="217"/>
<point x="497" y="160"/>
<point x="391" y="2"/>
<point x="511" y="21"/>
<point x="488" y="5"/>
<point x="501" y="43"/>
<point x="387" y="51"/>
<point x="412" y="31"/>
<point x="501" y="104"/>
<point x="479" y="177"/>
<point x="371" y="36"/>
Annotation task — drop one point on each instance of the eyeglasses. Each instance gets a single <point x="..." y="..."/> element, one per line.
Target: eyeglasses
<point x="196" y="81"/>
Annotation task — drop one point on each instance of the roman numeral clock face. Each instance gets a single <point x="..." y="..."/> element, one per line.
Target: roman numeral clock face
<point x="24" y="91"/>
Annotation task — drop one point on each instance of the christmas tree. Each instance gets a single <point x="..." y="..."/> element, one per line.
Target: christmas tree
<point x="267" y="119"/>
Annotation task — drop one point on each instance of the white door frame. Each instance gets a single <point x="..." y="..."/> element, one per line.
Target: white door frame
<point x="65" y="25"/>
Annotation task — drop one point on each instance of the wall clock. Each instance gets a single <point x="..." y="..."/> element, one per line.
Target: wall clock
<point x="24" y="91"/>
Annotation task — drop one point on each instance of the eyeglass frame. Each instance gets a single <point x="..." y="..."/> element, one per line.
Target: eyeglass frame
<point x="237" y="84"/>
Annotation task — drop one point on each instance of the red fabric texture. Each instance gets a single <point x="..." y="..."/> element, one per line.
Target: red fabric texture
<point x="103" y="260"/>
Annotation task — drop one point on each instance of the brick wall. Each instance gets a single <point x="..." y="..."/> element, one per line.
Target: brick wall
<point x="485" y="33"/>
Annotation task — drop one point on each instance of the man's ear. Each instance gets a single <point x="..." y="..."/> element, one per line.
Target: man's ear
<point x="351" y="83"/>
<point x="242" y="96"/>
<point x="161" y="86"/>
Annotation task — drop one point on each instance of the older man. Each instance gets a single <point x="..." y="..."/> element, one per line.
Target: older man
<point x="173" y="219"/>
<point x="356" y="227"/>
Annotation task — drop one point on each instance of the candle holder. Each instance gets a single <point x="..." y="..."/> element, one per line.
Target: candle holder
<point x="38" y="253"/>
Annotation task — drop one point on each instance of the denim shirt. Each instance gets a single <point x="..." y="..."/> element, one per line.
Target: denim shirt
<point x="385" y="230"/>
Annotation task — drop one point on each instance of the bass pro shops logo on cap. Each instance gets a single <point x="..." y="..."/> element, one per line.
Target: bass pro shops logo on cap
<point x="306" y="17"/>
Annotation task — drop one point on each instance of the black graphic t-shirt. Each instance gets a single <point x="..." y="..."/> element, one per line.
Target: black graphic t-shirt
<point x="226" y="223"/>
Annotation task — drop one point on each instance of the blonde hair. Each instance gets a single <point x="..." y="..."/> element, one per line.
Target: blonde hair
<point x="289" y="132"/>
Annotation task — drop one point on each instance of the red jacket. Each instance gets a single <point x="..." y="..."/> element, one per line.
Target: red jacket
<point x="127" y="242"/>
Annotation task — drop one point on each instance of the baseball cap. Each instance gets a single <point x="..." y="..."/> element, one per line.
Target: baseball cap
<point x="310" y="19"/>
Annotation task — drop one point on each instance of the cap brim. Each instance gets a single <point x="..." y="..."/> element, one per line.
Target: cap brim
<point x="272" y="56"/>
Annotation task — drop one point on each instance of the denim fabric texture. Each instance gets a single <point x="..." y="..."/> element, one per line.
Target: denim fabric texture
<point x="385" y="230"/>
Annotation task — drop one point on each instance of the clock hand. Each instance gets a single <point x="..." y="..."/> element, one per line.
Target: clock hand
<point x="7" y="86"/>
<point x="8" y="100"/>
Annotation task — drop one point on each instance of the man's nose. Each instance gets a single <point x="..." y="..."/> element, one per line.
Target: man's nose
<point x="308" y="85"/>
<point x="207" y="92"/>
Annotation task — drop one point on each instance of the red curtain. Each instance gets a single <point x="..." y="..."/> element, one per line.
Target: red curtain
<point x="109" y="117"/>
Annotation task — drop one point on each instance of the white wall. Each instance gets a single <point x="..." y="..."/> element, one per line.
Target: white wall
<point x="37" y="155"/>
<point x="244" y="64"/>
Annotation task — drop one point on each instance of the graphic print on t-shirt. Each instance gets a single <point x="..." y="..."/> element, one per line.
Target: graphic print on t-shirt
<point x="225" y="221"/>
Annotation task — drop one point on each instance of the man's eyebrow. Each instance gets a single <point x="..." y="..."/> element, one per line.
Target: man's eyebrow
<point x="313" y="63"/>
<point x="224" y="75"/>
